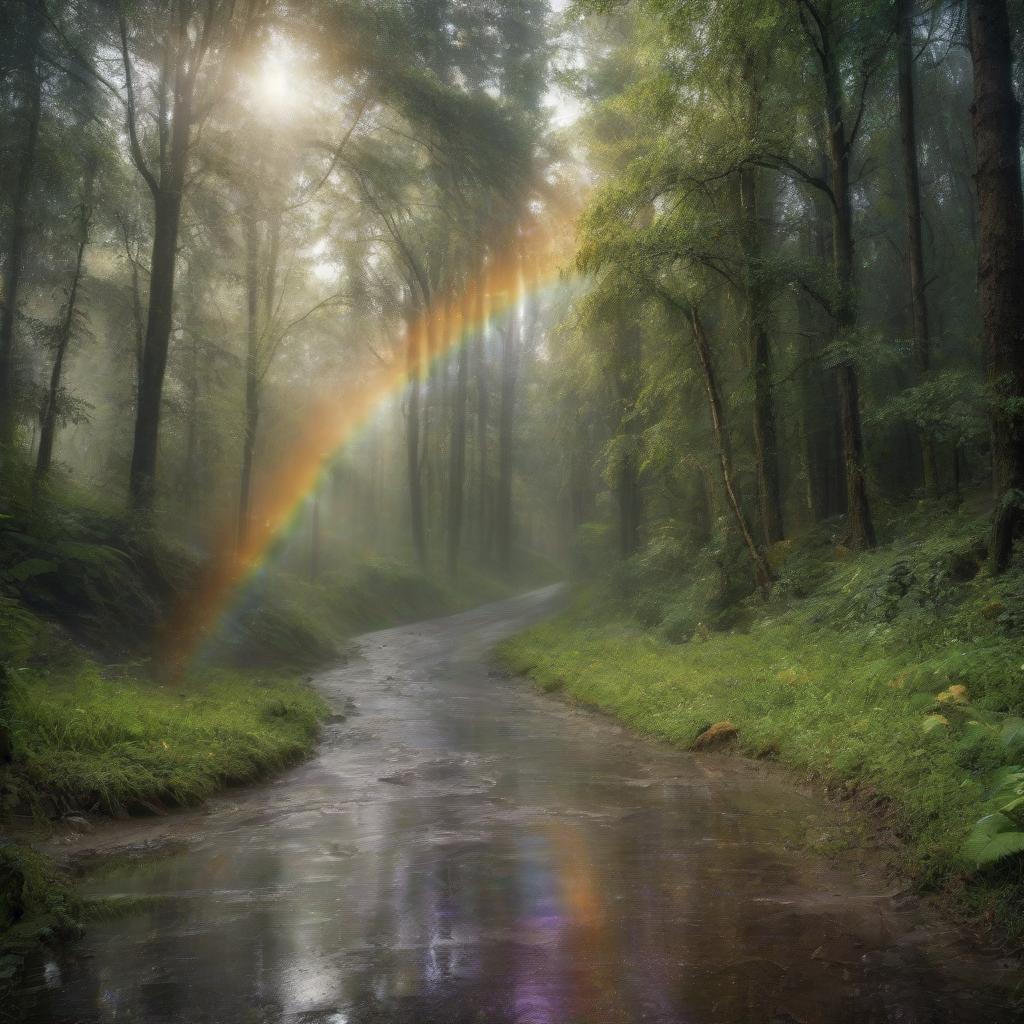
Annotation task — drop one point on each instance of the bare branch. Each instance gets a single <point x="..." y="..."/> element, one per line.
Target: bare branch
<point x="133" y="137"/>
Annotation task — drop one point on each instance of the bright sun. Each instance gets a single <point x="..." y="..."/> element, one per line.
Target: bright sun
<point x="274" y="84"/>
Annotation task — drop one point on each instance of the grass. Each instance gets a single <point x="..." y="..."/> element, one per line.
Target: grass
<point x="119" y="744"/>
<point x="845" y="676"/>
<point x="93" y="727"/>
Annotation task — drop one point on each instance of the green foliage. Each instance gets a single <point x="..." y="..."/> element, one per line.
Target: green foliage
<point x="288" y="622"/>
<point x="90" y="741"/>
<point x="103" y="577"/>
<point x="37" y="904"/>
<point x="892" y="673"/>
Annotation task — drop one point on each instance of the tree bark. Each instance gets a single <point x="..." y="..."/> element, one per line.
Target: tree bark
<point x="314" y="536"/>
<point x="142" y="475"/>
<point x="626" y="375"/>
<point x="48" y="418"/>
<point x="861" y="527"/>
<point x="506" y="423"/>
<point x="995" y="119"/>
<point x="762" y="571"/>
<point x="252" y="372"/>
<point x="192" y="435"/>
<point x="766" y="454"/>
<point x="414" y="343"/>
<point x="457" y="457"/>
<point x="185" y="55"/>
<point x="482" y="413"/>
<point x="921" y="348"/>
<point x="20" y="229"/>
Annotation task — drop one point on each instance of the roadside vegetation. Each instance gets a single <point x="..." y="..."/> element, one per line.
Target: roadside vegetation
<point x="91" y="723"/>
<point x="893" y="676"/>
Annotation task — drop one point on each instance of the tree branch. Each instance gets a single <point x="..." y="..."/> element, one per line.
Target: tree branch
<point x="133" y="137"/>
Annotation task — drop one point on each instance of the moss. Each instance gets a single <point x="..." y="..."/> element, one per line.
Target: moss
<point x="837" y="678"/>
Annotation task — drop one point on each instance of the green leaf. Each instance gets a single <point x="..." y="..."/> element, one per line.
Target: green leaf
<point x="1008" y="775"/>
<point x="1005" y="844"/>
<point x="1012" y="733"/>
<point x="983" y="844"/>
<point x="21" y="571"/>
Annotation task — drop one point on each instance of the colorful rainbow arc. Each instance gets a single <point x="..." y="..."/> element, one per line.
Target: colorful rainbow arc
<point x="330" y="424"/>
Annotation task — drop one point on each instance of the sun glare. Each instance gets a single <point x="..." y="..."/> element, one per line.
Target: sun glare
<point x="275" y="84"/>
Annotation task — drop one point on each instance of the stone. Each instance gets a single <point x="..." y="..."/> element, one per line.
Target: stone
<point x="720" y="732"/>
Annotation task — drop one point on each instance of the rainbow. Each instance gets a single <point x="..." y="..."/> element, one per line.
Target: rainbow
<point x="330" y="424"/>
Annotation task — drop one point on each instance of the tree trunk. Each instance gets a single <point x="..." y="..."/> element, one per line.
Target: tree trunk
<point x="20" y="230"/>
<point x="762" y="571"/>
<point x="192" y="435"/>
<point x="414" y="344"/>
<point x="457" y="458"/>
<point x="861" y="526"/>
<point x="915" y="242"/>
<point x="816" y="450"/>
<point x="142" y="477"/>
<point x="506" y="422"/>
<point x="314" y="536"/>
<point x="822" y="436"/>
<point x="995" y="117"/>
<point x="629" y="498"/>
<point x="758" y="316"/>
<point x="626" y="375"/>
<point x="167" y="190"/>
<point x="252" y="373"/>
<point x="48" y="419"/>
<point x="482" y="412"/>
<point x="766" y="454"/>
<point x="580" y="489"/>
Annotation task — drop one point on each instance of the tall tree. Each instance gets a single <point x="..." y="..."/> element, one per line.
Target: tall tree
<point x="823" y="27"/>
<point x="28" y="30"/>
<point x="758" y="316"/>
<point x="457" y="447"/>
<point x="511" y="343"/>
<point x="995" y="117"/>
<point x="66" y="327"/>
<point x="915" y="240"/>
<point x="185" y="34"/>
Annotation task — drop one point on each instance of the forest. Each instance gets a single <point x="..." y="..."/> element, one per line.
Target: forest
<point x="323" y="317"/>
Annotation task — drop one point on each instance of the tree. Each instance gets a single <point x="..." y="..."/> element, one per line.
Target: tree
<point x="825" y="32"/>
<point x="67" y="326"/>
<point x="995" y="117"/>
<point x="27" y="33"/>
<point x="914" y="234"/>
<point x="182" y="34"/>
<point x="457" y="448"/>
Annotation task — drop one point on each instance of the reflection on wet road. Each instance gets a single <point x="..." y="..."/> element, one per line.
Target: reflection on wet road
<point x="465" y="850"/>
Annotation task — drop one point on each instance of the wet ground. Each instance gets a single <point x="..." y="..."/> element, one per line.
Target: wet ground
<point x="463" y="850"/>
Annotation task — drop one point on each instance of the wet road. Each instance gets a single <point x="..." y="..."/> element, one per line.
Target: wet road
<point x="463" y="850"/>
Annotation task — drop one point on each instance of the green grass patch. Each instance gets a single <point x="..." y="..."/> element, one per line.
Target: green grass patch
<point x="92" y="741"/>
<point x="844" y="676"/>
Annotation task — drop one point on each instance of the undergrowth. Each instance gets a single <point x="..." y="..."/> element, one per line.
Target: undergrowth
<point x="897" y="674"/>
<point x="88" y="724"/>
<point x="37" y="904"/>
<point x="116" y="744"/>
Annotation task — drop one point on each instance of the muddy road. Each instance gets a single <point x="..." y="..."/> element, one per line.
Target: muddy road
<point x="463" y="849"/>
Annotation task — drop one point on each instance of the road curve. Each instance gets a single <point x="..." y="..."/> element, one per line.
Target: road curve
<point x="463" y="850"/>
